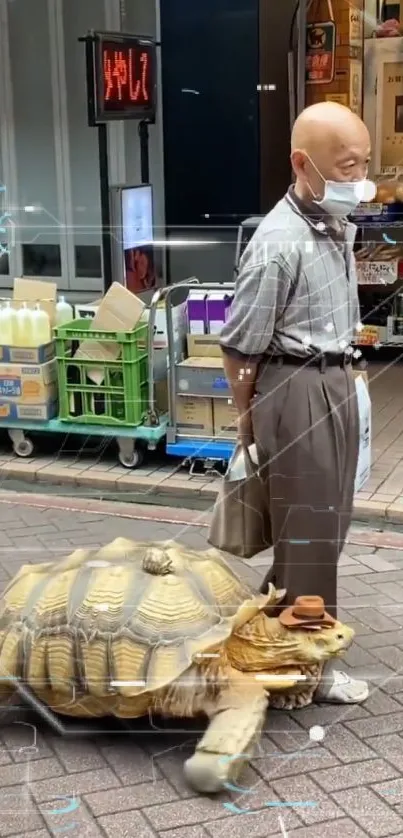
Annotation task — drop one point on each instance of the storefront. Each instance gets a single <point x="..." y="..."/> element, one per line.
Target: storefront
<point x="49" y="156"/>
<point x="353" y="54"/>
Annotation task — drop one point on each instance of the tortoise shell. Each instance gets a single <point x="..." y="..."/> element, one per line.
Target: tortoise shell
<point x="125" y="620"/>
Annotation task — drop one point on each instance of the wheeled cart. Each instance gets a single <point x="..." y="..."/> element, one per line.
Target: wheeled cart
<point x="133" y="440"/>
<point x="191" y="449"/>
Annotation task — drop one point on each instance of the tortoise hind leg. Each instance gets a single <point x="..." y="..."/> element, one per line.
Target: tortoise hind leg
<point x="227" y="746"/>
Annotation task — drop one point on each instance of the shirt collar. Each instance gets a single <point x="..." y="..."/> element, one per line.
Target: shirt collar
<point x="322" y="223"/>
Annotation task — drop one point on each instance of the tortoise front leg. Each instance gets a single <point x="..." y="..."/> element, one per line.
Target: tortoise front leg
<point x="236" y="722"/>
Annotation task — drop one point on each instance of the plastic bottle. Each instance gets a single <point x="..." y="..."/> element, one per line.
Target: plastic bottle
<point x="7" y="325"/>
<point x="64" y="312"/>
<point x="41" y="331"/>
<point x="24" y="331"/>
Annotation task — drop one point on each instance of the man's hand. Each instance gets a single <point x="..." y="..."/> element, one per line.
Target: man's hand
<point x="245" y="429"/>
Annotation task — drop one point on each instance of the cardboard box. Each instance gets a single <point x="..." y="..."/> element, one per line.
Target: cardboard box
<point x="217" y="307"/>
<point x="204" y="346"/>
<point x="202" y="377"/>
<point x="32" y="291"/>
<point x="119" y="310"/>
<point x="194" y="417"/>
<point x="28" y="391"/>
<point x="32" y="383"/>
<point x="197" y="313"/>
<point x="363" y="471"/>
<point x="27" y="355"/>
<point x="225" y="417"/>
<point x="29" y="412"/>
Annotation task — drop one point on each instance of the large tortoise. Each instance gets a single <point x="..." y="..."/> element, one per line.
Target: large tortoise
<point x="138" y="628"/>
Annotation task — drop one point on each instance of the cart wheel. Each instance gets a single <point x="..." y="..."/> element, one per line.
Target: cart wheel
<point x="24" y="448"/>
<point x="133" y="460"/>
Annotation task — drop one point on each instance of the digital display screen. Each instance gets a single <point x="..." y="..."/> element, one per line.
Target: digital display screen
<point x="125" y="78"/>
<point x="138" y="238"/>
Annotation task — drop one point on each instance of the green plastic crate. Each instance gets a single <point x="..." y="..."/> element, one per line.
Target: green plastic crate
<point x="121" y="399"/>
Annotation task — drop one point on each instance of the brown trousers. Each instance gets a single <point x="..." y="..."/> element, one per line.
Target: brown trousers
<point x="306" y="430"/>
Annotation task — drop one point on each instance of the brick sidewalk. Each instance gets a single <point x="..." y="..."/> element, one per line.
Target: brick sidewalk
<point x="95" y="471"/>
<point x="133" y="788"/>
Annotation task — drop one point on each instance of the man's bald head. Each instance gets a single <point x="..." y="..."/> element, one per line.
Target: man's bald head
<point x="328" y="142"/>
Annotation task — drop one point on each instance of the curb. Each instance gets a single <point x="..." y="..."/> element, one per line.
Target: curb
<point x="389" y="540"/>
<point x="153" y="485"/>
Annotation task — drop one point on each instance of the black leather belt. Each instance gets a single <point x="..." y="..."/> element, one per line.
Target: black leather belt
<point x="327" y="359"/>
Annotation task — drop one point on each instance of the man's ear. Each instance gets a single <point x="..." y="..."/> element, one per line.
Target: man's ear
<point x="298" y="163"/>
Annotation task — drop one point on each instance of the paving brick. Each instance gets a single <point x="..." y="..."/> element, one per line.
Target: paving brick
<point x="304" y="789"/>
<point x="343" y="828"/>
<point x="41" y="769"/>
<point x="186" y="832"/>
<point x="357" y="656"/>
<point x="358" y="588"/>
<point x="377" y="600"/>
<point x="377" y="726"/>
<point x="254" y="824"/>
<point x="187" y="812"/>
<point x="392" y="656"/>
<point x="130" y="797"/>
<point x="372" y="814"/>
<point x="18" y="813"/>
<point x="379" y="703"/>
<point x="78" y="755"/>
<point x="345" y="746"/>
<point x="377" y="641"/>
<point x="291" y="764"/>
<point x="376" y="563"/>
<point x="391" y="792"/>
<point x="74" y="784"/>
<point x="355" y="774"/>
<point x="18" y="737"/>
<point x="373" y="618"/>
<point x="131" y="764"/>
<point x="81" y="820"/>
<point x="126" y="825"/>
<point x="390" y="748"/>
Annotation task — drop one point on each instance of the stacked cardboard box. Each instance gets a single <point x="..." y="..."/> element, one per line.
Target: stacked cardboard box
<point x="28" y="375"/>
<point x="204" y="408"/>
<point x="334" y="53"/>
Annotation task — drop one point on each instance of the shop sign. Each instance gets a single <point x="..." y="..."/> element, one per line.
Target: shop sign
<point x="391" y="98"/>
<point x="320" y="52"/>
<point x="356" y="26"/>
<point x="368" y="336"/>
<point x="377" y="273"/>
<point x="356" y="87"/>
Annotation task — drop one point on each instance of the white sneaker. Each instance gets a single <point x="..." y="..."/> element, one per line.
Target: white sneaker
<point x="338" y="688"/>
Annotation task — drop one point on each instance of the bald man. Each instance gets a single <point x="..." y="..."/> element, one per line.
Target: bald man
<point x="287" y="355"/>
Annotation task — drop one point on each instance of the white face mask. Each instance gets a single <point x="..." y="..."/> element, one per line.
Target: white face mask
<point x="340" y="198"/>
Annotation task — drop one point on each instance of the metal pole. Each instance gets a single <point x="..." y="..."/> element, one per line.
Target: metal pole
<point x="301" y="55"/>
<point x="105" y="206"/>
<point x="144" y="153"/>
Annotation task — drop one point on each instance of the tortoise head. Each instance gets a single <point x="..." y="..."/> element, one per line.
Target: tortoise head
<point x="264" y="644"/>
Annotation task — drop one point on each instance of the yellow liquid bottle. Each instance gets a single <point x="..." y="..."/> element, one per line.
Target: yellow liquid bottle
<point x="41" y="330"/>
<point x="24" y="330"/>
<point x="7" y="325"/>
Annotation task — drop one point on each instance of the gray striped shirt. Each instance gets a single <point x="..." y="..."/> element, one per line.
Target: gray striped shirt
<point x="296" y="291"/>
